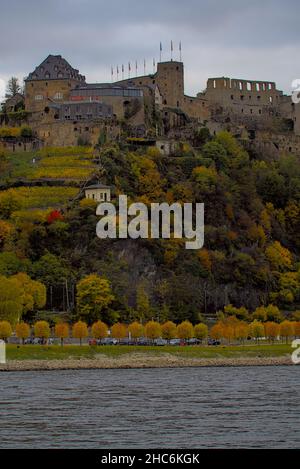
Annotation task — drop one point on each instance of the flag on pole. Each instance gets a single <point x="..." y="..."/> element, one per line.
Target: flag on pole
<point x="136" y="68"/>
<point x="180" y="50"/>
<point x="153" y="65"/>
<point x="160" y="51"/>
<point x="122" y="71"/>
<point x="144" y="66"/>
<point x="129" y="68"/>
<point x="112" y="73"/>
<point x="171" y="50"/>
<point x="117" y="72"/>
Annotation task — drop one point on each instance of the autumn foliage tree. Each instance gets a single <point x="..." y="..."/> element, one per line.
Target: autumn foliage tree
<point x="5" y="330"/>
<point x="152" y="330"/>
<point x="22" y="331"/>
<point x="80" y="331"/>
<point x="99" y="330"/>
<point x="119" y="331"/>
<point x="271" y="330"/>
<point x="42" y="330"/>
<point x="62" y="331"/>
<point x="200" y="331"/>
<point x="185" y="330"/>
<point x="94" y="294"/>
<point x="169" y="330"/>
<point x="256" y="330"/>
<point x="286" y="330"/>
<point x="135" y="330"/>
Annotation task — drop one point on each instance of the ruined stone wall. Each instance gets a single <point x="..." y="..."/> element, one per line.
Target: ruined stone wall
<point x="59" y="133"/>
<point x="197" y="108"/>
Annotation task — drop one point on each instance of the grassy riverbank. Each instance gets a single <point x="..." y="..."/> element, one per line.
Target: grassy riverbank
<point x="56" y="352"/>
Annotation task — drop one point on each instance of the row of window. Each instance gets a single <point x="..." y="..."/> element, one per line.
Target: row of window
<point x="249" y="86"/>
<point x="40" y="97"/>
<point x="257" y="97"/>
<point x="107" y="92"/>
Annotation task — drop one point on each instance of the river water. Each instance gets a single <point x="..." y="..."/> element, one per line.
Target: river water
<point x="251" y="407"/>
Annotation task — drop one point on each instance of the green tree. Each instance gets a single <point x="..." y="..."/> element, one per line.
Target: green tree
<point x="13" y="87"/>
<point x="94" y="295"/>
<point x="11" y="300"/>
<point x="201" y="331"/>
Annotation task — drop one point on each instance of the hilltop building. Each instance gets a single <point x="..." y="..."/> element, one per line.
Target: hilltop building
<point x="63" y="108"/>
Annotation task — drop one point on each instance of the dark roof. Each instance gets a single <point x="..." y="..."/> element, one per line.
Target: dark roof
<point x="55" y="67"/>
<point x="97" y="186"/>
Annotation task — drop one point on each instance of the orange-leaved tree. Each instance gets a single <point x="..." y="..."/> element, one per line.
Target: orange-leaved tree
<point x="286" y="330"/>
<point x="80" y="331"/>
<point x="99" y="330"/>
<point x="119" y="331"/>
<point x="22" y="331"/>
<point x="62" y="331"/>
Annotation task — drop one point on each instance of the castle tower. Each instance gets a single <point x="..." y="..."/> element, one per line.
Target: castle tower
<point x="170" y="80"/>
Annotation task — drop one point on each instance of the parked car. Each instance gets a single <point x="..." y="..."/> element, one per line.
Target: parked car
<point x="213" y="342"/>
<point x="193" y="341"/>
<point x="107" y="341"/>
<point x="176" y="342"/>
<point x="144" y="341"/>
<point x="160" y="342"/>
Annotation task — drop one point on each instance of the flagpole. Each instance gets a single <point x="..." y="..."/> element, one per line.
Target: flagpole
<point x="171" y="51"/>
<point x="160" y="51"/>
<point x="144" y="66"/>
<point x="180" y="51"/>
<point x="122" y="71"/>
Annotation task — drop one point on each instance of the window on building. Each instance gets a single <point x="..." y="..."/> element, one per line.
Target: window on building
<point x="39" y="97"/>
<point x="249" y="86"/>
<point x="242" y="97"/>
<point x="231" y="96"/>
<point x="258" y="98"/>
<point x="58" y="95"/>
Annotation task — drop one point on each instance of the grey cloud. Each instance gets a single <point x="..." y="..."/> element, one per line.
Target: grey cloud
<point x="231" y="38"/>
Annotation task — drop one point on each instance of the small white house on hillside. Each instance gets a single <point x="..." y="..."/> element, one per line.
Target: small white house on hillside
<point x="98" y="192"/>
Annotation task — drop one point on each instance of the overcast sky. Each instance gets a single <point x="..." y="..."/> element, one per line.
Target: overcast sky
<point x="253" y="39"/>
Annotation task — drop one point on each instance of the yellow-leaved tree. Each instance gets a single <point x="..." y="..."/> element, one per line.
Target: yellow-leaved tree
<point x="22" y="331"/>
<point x="62" y="331"/>
<point x="5" y="330"/>
<point x="201" y="331"/>
<point x="42" y="330"/>
<point x="99" y="330"/>
<point x="80" y="331"/>
<point x="185" y="330"/>
<point x="169" y="330"/>
<point x="136" y="330"/>
<point x="119" y="331"/>
<point x="152" y="330"/>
